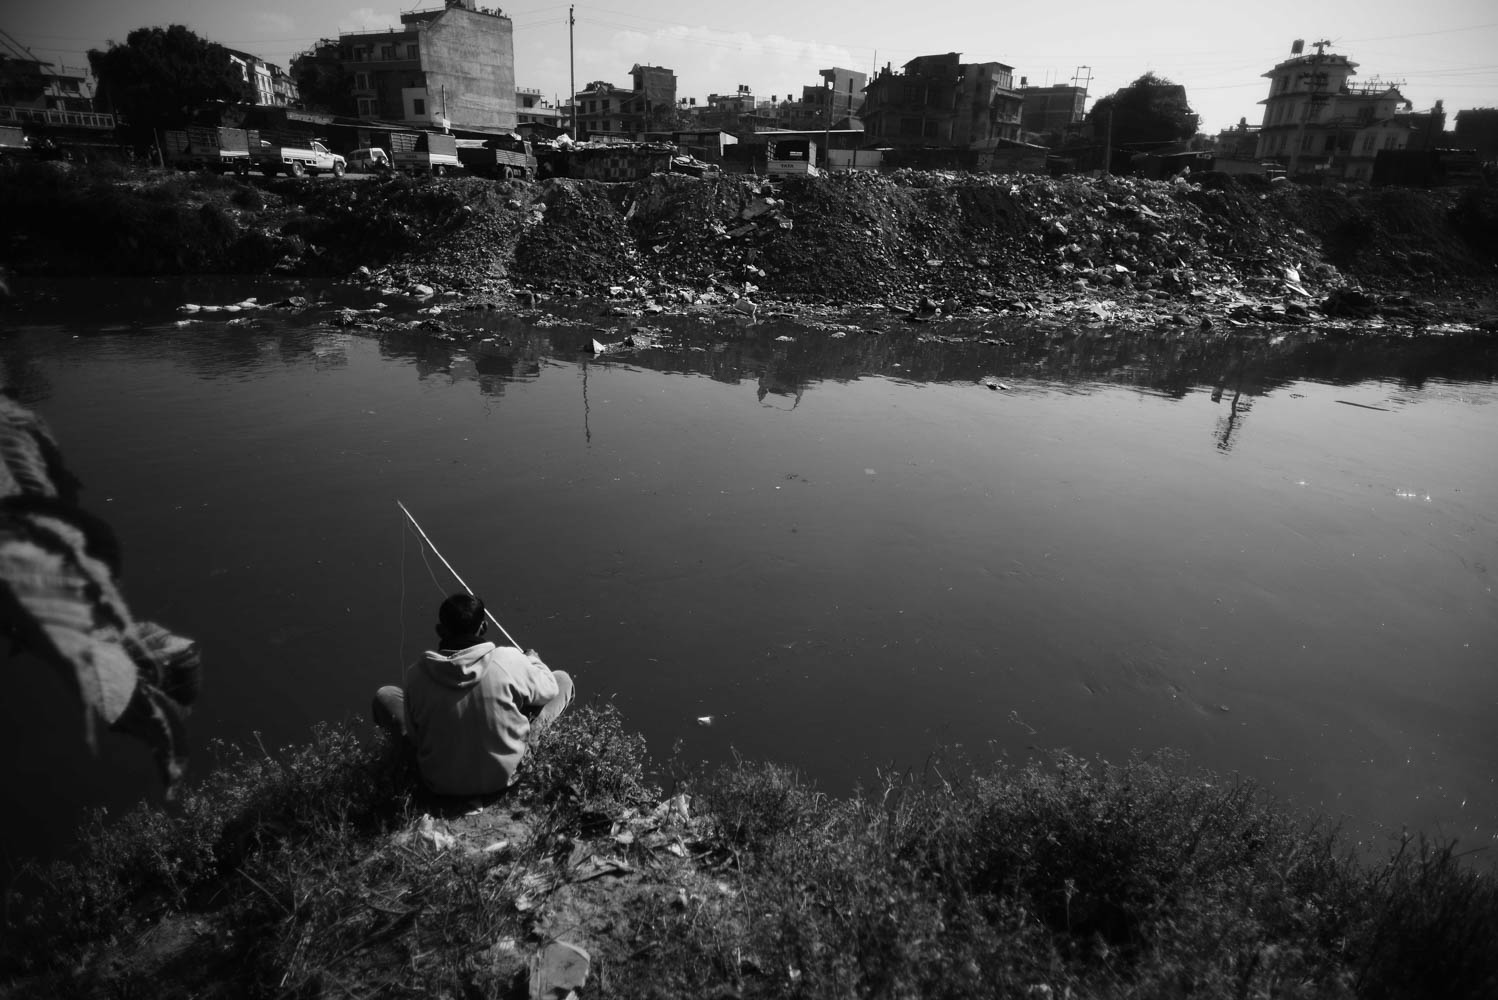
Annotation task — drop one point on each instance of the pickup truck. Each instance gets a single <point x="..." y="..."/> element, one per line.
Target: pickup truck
<point x="297" y="158"/>
<point x="424" y="152"/>
<point x="501" y="157"/>
<point x="222" y="150"/>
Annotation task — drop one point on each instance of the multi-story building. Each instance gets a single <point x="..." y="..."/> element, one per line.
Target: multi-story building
<point x="600" y="110"/>
<point x="533" y="109"/>
<point x="268" y="84"/>
<point x="940" y="101"/>
<point x="1316" y="121"/>
<point x="37" y="91"/>
<point x="40" y="85"/>
<point x="451" y="66"/>
<point x="840" y="96"/>
<point x="1051" y="109"/>
<point x="650" y="105"/>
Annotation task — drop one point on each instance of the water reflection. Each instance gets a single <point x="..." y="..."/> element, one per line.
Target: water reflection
<point x="1234" y="367"/>
<point x="962" y="533"/>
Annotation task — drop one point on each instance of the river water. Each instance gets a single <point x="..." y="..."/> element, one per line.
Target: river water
<point x="840" y="552"/>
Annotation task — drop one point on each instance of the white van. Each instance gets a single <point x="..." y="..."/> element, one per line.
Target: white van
<point x="369" y="160"/>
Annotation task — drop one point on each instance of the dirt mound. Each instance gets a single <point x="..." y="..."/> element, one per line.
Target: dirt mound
<point x="1149" y="250"/>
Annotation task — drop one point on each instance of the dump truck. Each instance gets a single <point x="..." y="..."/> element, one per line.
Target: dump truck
<point x="501" y="157"/>
<point x="200" y="147"/>
<point x="296" y="156"/>
<point x="424" y="152"/>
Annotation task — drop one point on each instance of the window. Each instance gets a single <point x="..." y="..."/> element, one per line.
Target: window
<point x="358" y="54"/>
<point x="361" y="81"/>
<point x="366" y="107"/>
<point x="418" y="107"/>
<point x="1305" y="143"/>
<point x="387" y="51"/>
<point x="413" y="51"/>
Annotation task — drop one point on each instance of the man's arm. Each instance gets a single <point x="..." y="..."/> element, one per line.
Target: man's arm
<point x="539" y="682"/>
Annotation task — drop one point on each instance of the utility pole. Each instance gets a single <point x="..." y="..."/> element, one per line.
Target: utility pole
<point x="1108" y="145"/>
<point x="572" y="71"/>
<point x="827" y="128"/>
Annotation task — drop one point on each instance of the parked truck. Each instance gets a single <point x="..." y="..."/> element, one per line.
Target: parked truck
<point x="222" y="150"/>
<point x="501" y="157"/>
<point x="296" y="157"/>
<point x="424" y="152"/>
<point x="13" y="142"/>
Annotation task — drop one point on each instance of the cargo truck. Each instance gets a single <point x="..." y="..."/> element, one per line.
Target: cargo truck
<point x="221" y="150"/>
<point x="501" y="157"/>
<point x="13" y="142"/>
<point x="424" y="152"/>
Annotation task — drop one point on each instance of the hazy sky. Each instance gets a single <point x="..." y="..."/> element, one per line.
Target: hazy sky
<point x="1437" y="50"/>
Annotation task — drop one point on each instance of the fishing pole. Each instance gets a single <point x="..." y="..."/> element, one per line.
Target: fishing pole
<point x="454" y="572"/>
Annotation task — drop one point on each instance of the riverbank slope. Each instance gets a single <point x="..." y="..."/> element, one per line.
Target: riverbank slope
<point x="324" y="871"/>
<point x="922" y="244"/>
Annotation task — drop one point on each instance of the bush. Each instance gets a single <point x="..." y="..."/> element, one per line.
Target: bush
<point x="150" y="860"/>
<point x="586" y="755"/>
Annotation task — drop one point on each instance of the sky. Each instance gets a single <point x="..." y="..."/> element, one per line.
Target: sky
<point x="1444" y="50"/>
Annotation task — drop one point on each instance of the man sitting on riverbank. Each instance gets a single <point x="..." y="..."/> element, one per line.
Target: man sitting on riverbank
<point x="470" y="707"/>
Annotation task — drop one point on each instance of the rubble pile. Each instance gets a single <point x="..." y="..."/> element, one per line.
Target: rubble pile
<point x="574" y="239"/>
<point x="920" y="244"/>
<point x="931" y="243"/>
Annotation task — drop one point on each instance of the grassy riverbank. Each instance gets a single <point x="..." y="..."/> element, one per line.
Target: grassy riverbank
<point x="322" y="870"/>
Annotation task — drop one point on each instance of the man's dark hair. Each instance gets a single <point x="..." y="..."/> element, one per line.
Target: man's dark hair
<point x="461" y="614"/>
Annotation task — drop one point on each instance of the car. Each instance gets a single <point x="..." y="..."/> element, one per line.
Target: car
<point x="369" y="160"/>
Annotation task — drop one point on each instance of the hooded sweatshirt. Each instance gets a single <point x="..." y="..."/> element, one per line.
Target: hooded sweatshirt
<point x="466" y="710"/>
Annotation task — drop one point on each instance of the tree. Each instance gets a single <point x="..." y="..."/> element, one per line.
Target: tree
<point x="1147" y="115"/>
<point x="160" y="76"/>
<point x="322" y="80"/>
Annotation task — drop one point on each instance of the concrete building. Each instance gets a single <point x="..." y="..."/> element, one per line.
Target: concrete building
<point x="604" y="110"/>
<point x="42" y="93"/>
<point x="453" y="65"/>
<point x="940" y="101"/>
<point x="36" y="84"/>
<point x="269" y="85"/>
<point x="1316" y="121"/>
<point x="1051" y="109"/>
<point x="533" y="109"/>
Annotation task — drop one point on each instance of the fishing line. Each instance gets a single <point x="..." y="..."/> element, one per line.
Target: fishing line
<point x="435" y="551"/>
<point x="400" y="651"/>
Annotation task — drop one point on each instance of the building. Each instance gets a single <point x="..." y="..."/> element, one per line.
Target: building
<point x="533" y="109"/>
<point x="452" y="66"/>
<point x="604" y="110"/>
<point x="940" y="101"/>
<point x="1317" y="122"/>
<point x="600" y="110"/>
<point x="41" y="93"/>
<point x="840" y="96"/>
<point x="268" y="84"/>
<point x="1051" y="109"/>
